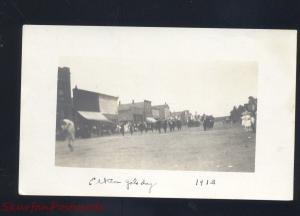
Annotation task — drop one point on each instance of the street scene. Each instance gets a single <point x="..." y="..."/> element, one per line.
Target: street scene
<point x="100" y="130"/>
<point x="225" y="148"/>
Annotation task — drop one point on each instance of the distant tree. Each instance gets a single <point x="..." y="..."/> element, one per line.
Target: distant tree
<point x="234" y="115"/>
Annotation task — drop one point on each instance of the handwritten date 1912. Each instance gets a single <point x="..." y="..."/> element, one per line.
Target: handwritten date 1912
<point x="205" y="182"/>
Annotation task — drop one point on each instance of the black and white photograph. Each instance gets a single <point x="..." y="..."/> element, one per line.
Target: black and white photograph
<point x="197" y="116"/>
<point x="157" y="112"/>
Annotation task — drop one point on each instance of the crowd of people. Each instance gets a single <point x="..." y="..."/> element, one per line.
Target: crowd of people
<point x="159" y="126"/>
<point x="207" y="121"/>
<point x="144" y="127"/>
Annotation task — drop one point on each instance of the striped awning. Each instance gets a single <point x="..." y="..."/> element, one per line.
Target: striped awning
<point x="94" y="116"/>
<point x="151" y="120"/>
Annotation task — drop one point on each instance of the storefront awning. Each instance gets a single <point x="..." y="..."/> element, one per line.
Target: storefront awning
<point x="150" y="119"/>
<point x="94" y="116"/>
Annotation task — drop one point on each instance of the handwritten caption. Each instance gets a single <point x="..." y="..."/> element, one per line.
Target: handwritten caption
<point x="205" y="182"/>
<point x="128" y="183"/>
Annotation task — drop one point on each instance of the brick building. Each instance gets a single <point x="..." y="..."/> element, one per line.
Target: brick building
<point x="161" y="112"/>
<point x="135" y="111"/>
<point x="183" y="116"/>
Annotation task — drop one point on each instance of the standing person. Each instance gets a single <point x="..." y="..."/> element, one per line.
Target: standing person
<point x="243" y="118"/>
<point x="122" y="129"/>
<point x="151" y="126"/>
<point x="169" y="122"/>
<point x="118" y="128"/>
<point x="173" y="121"/>
<point x="247" y="121"/>
<point x="69" y="129"/>
<point x="146" y="126"/>
<point x="87" y="132"/>
<point x="204" y="119"/>
<point x="158" y="125"/>
<point x="177" y="124"/>
<point x="212" y="120"/>
<point x="141" y="127"/>
<point x="131" y="128"/>
<point x="165" y="125"/>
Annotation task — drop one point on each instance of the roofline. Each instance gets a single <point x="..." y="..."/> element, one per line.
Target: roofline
<point x="140" y="102"/>
<point x="162" y="105"/>
<point x="100" y="94"/>
<point x="63" y="67"/>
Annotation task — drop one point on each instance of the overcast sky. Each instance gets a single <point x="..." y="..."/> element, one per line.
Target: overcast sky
<point x="210" y="87"/>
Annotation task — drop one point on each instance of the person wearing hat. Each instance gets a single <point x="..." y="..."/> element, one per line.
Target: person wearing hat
<point x="68" y="127"/>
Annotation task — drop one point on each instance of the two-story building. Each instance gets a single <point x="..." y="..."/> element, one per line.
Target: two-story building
<point x="94" y="113"/>
<point x="183" y="116"/>
<point x="135" y="111"/>
<point x="161" y="112"/>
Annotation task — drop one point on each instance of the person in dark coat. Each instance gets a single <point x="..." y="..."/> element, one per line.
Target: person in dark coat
<point x="171" y="125"/>
<point x="123" y="129"/>
<point x="141" y="127"/>
<point x="146" y="127"/>
<point x="131" y="128"/>
<point x="165" y="125"/>
<point x="205" y="122"/>
<point x="151" y="126"/>
<point x="158" y="126"/>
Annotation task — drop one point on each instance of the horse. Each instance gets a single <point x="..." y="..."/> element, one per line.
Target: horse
<point x="178" y="124"/>
<point x="141" y="127"/>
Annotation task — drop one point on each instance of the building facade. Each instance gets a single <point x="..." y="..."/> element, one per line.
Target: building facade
<point x="183" y="116"/>
<point x="161" y="112"/>
<point x="95" y="113"/>
<point x="135" y="111"/>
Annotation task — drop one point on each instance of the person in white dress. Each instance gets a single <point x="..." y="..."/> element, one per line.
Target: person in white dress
<point x="68" y="127"/>
<point x="243" y="117"/>
<point x="246" y="121"/>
